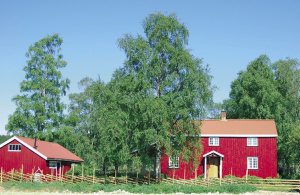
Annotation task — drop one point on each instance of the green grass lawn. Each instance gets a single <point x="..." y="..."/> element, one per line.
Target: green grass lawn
<point x="147" y="189"/>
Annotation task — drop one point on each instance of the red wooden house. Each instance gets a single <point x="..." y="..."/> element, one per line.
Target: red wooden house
<point x="231" y="147"/>
<point x="30" y="155"/>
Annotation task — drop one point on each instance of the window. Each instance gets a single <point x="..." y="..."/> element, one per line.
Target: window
<point x="14" y="147"/>
<point x="252" y="141"/>
<point x="173" y="162"/>
<point x="52" y="164"/>
<point x="213" y="141"/>
<point x="252" y="163"/>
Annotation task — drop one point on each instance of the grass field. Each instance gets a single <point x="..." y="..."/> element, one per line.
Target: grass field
<point x="146" y="189"/>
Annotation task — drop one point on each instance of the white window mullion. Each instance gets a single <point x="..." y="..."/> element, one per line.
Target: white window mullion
<point x="213" y="141"/>
<point x="252" y="162"/>
<point x="14" y="147"/>
<point x="252" y="141"/>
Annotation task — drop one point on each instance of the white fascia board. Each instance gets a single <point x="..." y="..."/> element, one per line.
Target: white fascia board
<point x="211" y="152"/>
<point x="26" y="145"/>
<point x="237" y="135"/>
<point x="7" y="141"/>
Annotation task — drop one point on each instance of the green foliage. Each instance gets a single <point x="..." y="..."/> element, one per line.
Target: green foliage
<point x="149" y="104"/>
<point x="146" y="189"/>
<point x="78" y="133"/>
<point x="293" y="159"/>
<point x="287" y="76"/>
<point x="165" y="88"/>
<point x="39" y="108"/>
<point x="271" y="91"/>
<point x="231" y="177"/>
<point x="136" y="164"/>
<point x="253" y="94"/>
<point x="3" y="138"/>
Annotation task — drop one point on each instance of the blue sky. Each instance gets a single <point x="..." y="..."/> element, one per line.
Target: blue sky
<point x="227" y="35"/>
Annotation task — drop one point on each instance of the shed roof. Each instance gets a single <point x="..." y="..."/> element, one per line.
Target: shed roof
<point x="47" y="150"/>
<point x="239" y="128"/>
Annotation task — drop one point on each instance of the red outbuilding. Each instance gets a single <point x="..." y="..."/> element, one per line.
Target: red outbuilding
<point x="30" y="155"/>
<point x="230" y="147"/>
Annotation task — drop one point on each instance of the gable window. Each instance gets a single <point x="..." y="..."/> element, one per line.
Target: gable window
<point x="252" y="141"/>
<point x="213" y="141"/>
<point x="14" y="147"/>
<point x="252" y="163"/>
<point x="173" y="162"/>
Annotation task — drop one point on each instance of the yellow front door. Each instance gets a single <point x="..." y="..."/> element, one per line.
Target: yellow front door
<point x="213" y="167"/>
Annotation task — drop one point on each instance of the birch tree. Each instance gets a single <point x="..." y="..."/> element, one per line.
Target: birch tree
<point x="39" y="106"/>
<point x="166" y="86"/>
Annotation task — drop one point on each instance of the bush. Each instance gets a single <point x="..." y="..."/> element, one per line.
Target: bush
<point x="253" y="177"/>
<point x="200" y="176"/>
<point x="232" y="176"/>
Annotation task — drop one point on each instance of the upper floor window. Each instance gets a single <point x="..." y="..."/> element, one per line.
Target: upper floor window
<point x="14" y="147"/>
<point x="252" y="163"/>
<point x="252" y="141"/>
<point x="173" y="162"/>
<point x="213" y="141"/>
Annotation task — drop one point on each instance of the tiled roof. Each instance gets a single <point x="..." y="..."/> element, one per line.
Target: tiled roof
<point x="51" y="150"/>
<point x="238" y="127"/>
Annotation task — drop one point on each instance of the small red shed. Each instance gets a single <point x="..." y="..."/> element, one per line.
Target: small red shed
<point x="230" y="147"/>
<point x="32" y="155"/>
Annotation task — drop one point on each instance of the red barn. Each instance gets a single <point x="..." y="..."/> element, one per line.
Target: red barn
<point x="231" y="147"/>
<point x="35" y="155"/>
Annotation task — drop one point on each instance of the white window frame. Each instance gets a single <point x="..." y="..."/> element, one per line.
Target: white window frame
<point x="252" y="162"/>
<point x="213" y="141"/>
<point x="14" y="147"/>
<point x="252" y="141"/>
<point x="172" y="163"/>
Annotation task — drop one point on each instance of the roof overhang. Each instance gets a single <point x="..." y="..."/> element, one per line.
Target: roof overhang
<point x="65" y="160"/>
<point x="213" y="152"/>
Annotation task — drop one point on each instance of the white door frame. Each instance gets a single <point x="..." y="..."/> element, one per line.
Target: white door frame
<point x="221" y="156"/>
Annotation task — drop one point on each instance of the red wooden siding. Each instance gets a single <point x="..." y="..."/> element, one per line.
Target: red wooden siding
<point x="235" y="151"/>
<point x="30" y="160"/>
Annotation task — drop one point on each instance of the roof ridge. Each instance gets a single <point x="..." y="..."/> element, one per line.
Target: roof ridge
<point x="37" y="140"/>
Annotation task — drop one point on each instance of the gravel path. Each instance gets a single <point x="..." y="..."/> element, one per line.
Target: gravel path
<point x="127" y="193"/>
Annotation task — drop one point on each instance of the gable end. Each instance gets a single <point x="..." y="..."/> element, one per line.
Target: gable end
<point x="24" y="144"/>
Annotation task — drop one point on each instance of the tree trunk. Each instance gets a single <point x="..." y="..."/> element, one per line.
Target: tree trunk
<point x="104" y="169"/>
<point x="117" y="169"/>
<point x="157" y="165"/>
<point x="116" y="173"/>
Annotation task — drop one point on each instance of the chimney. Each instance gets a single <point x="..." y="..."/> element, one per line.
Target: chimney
<point x="223" y="115"/>
<point x="34" y="145"/>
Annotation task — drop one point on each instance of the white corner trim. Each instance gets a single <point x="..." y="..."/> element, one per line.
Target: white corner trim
<point x="238" y="135"/>
<point x="217" y="153"/>
<point x="26" y="145"/>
